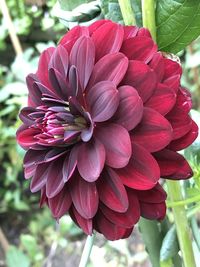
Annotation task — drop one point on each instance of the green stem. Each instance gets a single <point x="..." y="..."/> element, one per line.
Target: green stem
<point x="181" y="222"/>
<point x="127" y="12"/>
<point x="86" y="251"/>
<point x="152" y="238"/>
<point x="183" y="202"/>
<point x="148" y="16"/>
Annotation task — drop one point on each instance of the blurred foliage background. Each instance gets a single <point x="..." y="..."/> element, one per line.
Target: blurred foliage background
<point x="29" y="236"/>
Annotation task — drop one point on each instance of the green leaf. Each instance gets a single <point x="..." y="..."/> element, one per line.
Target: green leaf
<point x="16" y="258"/>
<point x="29" y="243"/>
<point x="170" y="246"/>
<point x="177" y="23"/>
<point x="71" y="4"/>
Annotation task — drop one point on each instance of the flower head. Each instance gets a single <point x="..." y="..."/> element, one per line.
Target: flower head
<point x="105" y="117"/>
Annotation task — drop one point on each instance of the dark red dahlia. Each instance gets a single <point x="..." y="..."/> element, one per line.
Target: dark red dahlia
<point x="105" y="117"/>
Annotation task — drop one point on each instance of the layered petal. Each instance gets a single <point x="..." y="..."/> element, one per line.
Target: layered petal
<point x="154" y="132"/>
<point x="142" y="171"/>
<point x="140" y="48"/>
<point x="141" y="77"/>
<point x="117" y="144"/>
<point x="130" y="109"/>
<point x="112" y="191"/>
<point x="103" y="101"/>
<point x="84" y="196"/>
<point x="90" y="166"/>
<point x="107" y="39"/>
<point x="111" y="67"/>
<point x="173" y="165"/>
<point x="82" y="56"/>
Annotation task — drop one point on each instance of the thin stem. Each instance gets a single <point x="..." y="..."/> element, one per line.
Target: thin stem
<point x="86" y="251"/>
<point x="183" y="202"/>
<point x="181" y="222"/>
<point x="148" y="16"/>
<point x="127" y="12"/>
<point x="11" y="29"/>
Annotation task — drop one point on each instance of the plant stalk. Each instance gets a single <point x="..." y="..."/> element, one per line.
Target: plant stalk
<point x="148" y="16"/>
<point x="181" y="222"/>
<point x="127" y="12"/>
<point x="87" y="251"/>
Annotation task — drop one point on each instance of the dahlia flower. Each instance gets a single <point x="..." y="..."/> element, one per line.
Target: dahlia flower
<point x="106" y="116"/>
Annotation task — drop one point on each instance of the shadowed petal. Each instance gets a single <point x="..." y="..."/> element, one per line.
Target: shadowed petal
<point x="111" y="67"/>
<point x="107" y="39"/>
<point x="172" y="165"/>
<point x="154" y="195"/>
<point x="127" y="219"/>
<point x="61" y="203"/>
<point x="162" y="100"/>
<point x="142" y="78"/>
<point x="186" y="140"/>
<point x="110" y="230"/>
<point x="94" y="26"/>
<point x="112" y="192"/>
<point x="82" y="56"/>
<point x="171" y="68"/>
<point x="140" y="48"/>
<point x="116" y="141"/>
<point x="84" y="196"/>
<point x="130" y="110"/>
<point x="69" y="164"/>
<point x="103" y="100"/>
<point x="55" y="181"/>
<point x="91" y="159"/>
<point x="142" y="171"/>
<point x="153" y="211"/>
<point x="40" y="177"/>
<point x="154" y="132"/>
<point x="84" y="224"/>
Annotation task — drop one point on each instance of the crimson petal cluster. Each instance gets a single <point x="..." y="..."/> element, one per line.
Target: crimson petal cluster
<point x="106" y="116"/>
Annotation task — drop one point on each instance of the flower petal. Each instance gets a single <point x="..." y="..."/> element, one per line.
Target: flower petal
<point x="82" y="56"/>
<point x="42" y="72"/>
<point x="70" y="163"/>
<point x="127" y="219"/>
<point x="55" y="181"/>
<point x="154" y="132"/>
<point x="60" y="61"/>
<point x="142" y="78"/>
<point x="109" y="230"/>
<point x="84" y="196"/>
<point x="40" y="177"/>
<point x="173" y="165"/>
<point x="142" y="171"/>
<point x="26" y="138"/>
<point x="112" y="192"/>
<point x="103" y="100"/>
<point x="84" y="224"/>
<point x="130" y="110"/>
<point x="158" y="65"/>
<point x="94" y="26"/>
<point x="154" y="195"/>
<point x="111" y="67"/>
<point x="140" y="48"/>
<point x="130" y="31"/>
<point x="107" y="39"/>
<point x="162" y="100"/>
<point x="72" y="36"/>
<point x="116" y="141"/>
<point x="60" y="204"/>
<point x="185" y="140"/>
<point x="152" y="211"/>
<point x="91" y="159"/>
